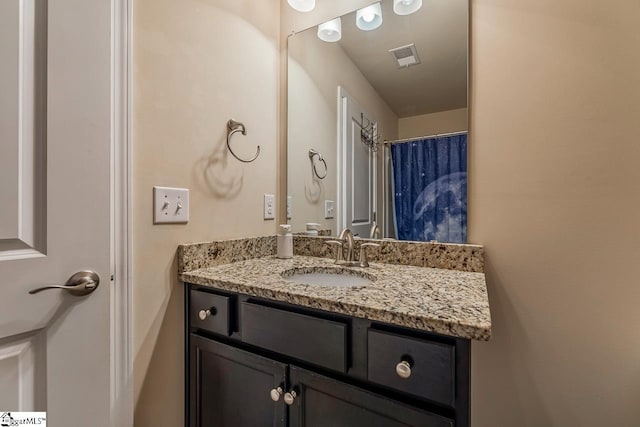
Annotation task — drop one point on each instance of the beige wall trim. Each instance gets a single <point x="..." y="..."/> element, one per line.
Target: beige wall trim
<point x="283" y="126"/>
<point x="121" y="242"/>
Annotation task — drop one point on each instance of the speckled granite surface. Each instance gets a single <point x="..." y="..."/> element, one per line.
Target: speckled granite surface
<point x="444" y="301"/>
<point x="202" y="255"/>
<point x="421" y="254"/>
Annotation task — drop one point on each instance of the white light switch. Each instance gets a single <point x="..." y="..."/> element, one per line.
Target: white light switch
<point x="289" y="201"/>
<point x="269" y="206"/>
<point x="170" y="205"/>
<point x="329" y="209"/>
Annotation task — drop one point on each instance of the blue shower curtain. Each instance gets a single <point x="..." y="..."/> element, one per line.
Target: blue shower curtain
<point x="430" y="189"/>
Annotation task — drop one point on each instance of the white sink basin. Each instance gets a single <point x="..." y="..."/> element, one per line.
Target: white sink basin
<point x="334" y="279"/>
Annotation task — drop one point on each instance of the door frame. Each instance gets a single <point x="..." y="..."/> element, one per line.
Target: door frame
<point x="341" y="156"/>
<point x="121" y="294"/>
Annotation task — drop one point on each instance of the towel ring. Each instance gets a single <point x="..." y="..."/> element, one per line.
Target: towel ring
<point x="233" y="127"/>
<point x="312" y="154"/>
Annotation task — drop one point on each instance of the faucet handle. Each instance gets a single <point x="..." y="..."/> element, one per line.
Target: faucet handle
<point x="364" y="262"/>
<point x="339" y="246"/>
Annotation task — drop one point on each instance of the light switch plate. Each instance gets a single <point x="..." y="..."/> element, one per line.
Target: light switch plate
<point x="329" y="209"/>
<point x="170" y="205"/>
<point x="269" y="206"/>
<point x="289" y="202"/>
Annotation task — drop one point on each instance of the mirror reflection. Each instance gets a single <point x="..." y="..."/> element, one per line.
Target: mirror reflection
<point x="377" y="123"/>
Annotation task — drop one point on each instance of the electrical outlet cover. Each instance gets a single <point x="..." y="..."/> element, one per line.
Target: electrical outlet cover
<point x="269" y="206"/>
<point x="329" y="209"/>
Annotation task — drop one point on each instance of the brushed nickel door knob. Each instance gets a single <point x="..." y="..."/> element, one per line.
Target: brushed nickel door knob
<point x="203" y="314"/>
<point x="80" y="284"/>
<point x="276" y="393"/>
<point x="403" y="369"/>
<point x="290" y="397"/>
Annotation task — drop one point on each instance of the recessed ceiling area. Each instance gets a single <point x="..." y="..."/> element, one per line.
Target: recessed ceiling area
<point x="439" y="32"/>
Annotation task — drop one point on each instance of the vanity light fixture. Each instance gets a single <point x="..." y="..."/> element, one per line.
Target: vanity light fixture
<point x="406" y="7"/>
<point x="370" y="17"/>
<point x="302" y="5"/>
<point x="330" y="31"/>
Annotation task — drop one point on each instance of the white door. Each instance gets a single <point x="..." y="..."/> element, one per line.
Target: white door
<point x="357" y="186"/>
<point x="55" y="211"/>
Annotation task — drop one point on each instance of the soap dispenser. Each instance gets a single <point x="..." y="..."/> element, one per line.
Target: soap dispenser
<point x="285" y="242"/>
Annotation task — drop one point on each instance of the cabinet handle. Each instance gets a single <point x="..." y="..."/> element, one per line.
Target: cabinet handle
<point x="276" y="393"/>
<point x="203" y="314"/>
<point x="290" y="397"/>
<point x="403" y="369"/>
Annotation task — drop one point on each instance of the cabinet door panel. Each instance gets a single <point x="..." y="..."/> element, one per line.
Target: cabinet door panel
<point x="231" y="387"/>
<point x="324" y="402"/>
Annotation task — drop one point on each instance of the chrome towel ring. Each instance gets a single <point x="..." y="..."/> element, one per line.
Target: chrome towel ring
<point x="233" y="127"/>
<point x="312" y="154"/>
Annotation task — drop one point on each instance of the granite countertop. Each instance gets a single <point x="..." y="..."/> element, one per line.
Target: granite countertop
<point x="437" y="300"/>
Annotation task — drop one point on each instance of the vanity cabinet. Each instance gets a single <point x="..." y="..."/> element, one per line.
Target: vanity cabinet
<point x="232" y="387"/>
<point x="256" y="362"/>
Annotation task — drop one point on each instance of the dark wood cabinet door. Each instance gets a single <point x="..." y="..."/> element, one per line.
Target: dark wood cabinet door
<point x="324" y="402"/>
<point x="231" y="387"/>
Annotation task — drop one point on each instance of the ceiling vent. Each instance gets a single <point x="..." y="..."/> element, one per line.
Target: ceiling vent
<point x="405" y="56"/>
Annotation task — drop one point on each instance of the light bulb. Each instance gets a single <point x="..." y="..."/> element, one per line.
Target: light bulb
<point x="302" y="5"/>
<point x="406" y="7"/>
<point x="330" y="31"/>
<point x="369" y="18"/>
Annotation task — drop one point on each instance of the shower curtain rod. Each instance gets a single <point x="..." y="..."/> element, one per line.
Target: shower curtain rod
<point x="418" y="138"/>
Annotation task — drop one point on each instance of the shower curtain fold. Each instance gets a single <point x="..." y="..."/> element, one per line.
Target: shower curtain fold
<point x="430" y="189"/>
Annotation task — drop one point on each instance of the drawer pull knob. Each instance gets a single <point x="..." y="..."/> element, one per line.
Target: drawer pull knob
<point x="290" y="397"/>
<point x="276" y="393"/>
<point x="403" y="369"/>
<point x="203" y="314"/>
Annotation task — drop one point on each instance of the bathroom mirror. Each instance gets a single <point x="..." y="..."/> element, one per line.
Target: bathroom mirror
<point x="377" y="122"/>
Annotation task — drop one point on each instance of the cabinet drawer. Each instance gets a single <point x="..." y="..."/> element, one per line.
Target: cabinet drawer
<point x="432" y="365"/>
<point x="215" y="309"/>
<point x="312" y="339"/>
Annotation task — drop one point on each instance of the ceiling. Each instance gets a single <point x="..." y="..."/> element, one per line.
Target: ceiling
<point x="440" y="33"/>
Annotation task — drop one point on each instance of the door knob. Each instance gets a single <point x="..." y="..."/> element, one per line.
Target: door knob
<point x="290" y="397"/>
<point x="203" y="314"/>
<point x="276" y="393"/>
<point x="80" y="284"/>
<point x="403" y="369"/>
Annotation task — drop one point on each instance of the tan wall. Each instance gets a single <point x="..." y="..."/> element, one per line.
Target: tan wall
<point x="196" y="64"/>
<point x="315" y="70"/>
<point x="554" y="195"/>
<point x="434" y="123"/>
